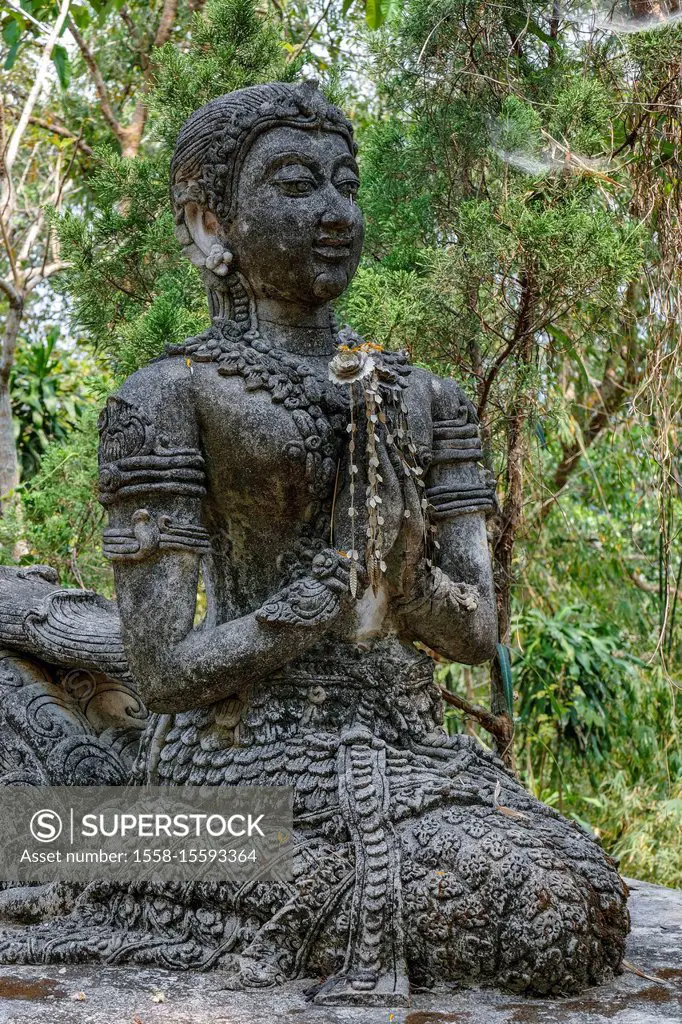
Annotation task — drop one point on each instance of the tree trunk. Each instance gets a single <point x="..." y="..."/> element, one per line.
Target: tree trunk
<point x="510" y="520"/>
<point x="9" y="462"/>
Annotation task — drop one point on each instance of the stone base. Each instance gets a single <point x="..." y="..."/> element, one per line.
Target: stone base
<point x="390" y="991"/>
<point x="133" y="996"/>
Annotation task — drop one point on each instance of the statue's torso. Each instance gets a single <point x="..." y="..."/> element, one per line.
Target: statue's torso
<point x="272" y="473"/>
<point x="271" y="476"/>
<point x="257" y="500"/>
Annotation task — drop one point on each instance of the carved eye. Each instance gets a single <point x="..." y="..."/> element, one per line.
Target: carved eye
<point x="348" y="186"/>
<point x="299" y="187"/>
<point x="294" y="181"/>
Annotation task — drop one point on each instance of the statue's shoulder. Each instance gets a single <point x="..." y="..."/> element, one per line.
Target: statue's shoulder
<point x="447" y="399"/>
<point x="167" y="379"/>
<point x="155" y="405"/>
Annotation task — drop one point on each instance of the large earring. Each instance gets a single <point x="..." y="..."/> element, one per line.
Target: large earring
<point x="219" y="260"/>
<point x="229" y="293"/>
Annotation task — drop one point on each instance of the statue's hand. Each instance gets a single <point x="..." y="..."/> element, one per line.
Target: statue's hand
<point x="317" y="599"/>
<point x="392" y="491"/>
<point x="401" y="522"/>
<point x="436" y="592"/>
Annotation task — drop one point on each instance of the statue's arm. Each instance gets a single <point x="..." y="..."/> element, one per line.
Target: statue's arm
<point x="152" y="484"/>
<point x="451" y="607"/>
<point x="178" y="667"/>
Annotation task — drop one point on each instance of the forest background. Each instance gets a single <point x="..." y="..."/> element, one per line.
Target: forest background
<point x="522" y="185"/>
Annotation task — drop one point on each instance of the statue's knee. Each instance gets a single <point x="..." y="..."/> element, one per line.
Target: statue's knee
<point x="490" y="900"/>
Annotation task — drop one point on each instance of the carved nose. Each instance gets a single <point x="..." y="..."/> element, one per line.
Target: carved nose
<point x="336" y="220"/>
<point x="338" y="214"/>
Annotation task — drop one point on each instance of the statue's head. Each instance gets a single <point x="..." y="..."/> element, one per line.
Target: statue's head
<point x="263" y="184"/>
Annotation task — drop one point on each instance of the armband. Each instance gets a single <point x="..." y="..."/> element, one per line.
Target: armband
<point x="132" y="461"/>
<point x="446" y="501"/>
<point x="456" y="440"/>
<point x="148" y="535"/>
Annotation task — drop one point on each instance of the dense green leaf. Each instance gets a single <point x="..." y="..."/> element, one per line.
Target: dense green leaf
<point x="61" y="62"/>
<point x="374" y="13"/>
<point x="12" y="55"/>
<point x="506" y="672"/>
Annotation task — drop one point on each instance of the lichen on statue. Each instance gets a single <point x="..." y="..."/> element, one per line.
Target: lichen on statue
<point x="333" y="497"/>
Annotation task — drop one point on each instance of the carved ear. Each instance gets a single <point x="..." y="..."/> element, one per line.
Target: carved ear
<point x="202" y="233"/>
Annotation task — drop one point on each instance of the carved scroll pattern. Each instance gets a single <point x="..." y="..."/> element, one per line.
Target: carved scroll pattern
<point x="66" y="729"/>
<point x="69" y="713"/>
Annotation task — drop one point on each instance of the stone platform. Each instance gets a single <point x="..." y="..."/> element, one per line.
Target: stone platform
<point x="115" y="995"/>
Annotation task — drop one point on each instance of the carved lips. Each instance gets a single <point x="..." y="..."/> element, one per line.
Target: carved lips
<point x="334" y="248"/>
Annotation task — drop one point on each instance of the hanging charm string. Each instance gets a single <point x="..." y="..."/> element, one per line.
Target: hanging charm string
<point x="375" y="538"/>
<point x="352" y="469"/>
<point x="351" y="366"/>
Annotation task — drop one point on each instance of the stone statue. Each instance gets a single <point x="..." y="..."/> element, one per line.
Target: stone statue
<point x="330" y="496"/>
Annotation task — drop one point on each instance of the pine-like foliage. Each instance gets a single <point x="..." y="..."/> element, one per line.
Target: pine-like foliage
<point x="466" y="198"/>
<point x="523" y="206"/>
<point x="132" y="289"/>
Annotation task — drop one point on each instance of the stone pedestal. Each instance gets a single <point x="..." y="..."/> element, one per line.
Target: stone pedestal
<point x="127" y="995"/>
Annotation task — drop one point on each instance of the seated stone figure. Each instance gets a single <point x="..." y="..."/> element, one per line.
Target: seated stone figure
<point x="332" y="496"/>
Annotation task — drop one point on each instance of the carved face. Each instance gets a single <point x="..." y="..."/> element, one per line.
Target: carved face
<point x="297" y="231"/>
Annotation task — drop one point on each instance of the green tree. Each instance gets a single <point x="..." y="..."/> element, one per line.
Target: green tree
<point x="49" y="128"/>
<point x="133" y="291"/>
<point x="524" y="208"/>
<point x="129" y="289"/>
<point x="47" y="398"/>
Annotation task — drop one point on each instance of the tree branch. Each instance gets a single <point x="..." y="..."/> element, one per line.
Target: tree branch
<point x="134" y="35"/>
<point x="521" y="329"/>
<point x="38" y="82"/>
<point x="496" y="725"/>
<point x="9" y="250"/>
<point x="166" y="22"/>
<point x="10" y="291"/>
<point x="99" y="83"/>
<point x="129" y="136"/>
<point x="652" y="588"/>
<point x="49" y="270"/>
<point x="63" y="133"/>
<point x="311" y="31"/>
<point x="611" y="394"/>
<point x="31" y="235"/>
